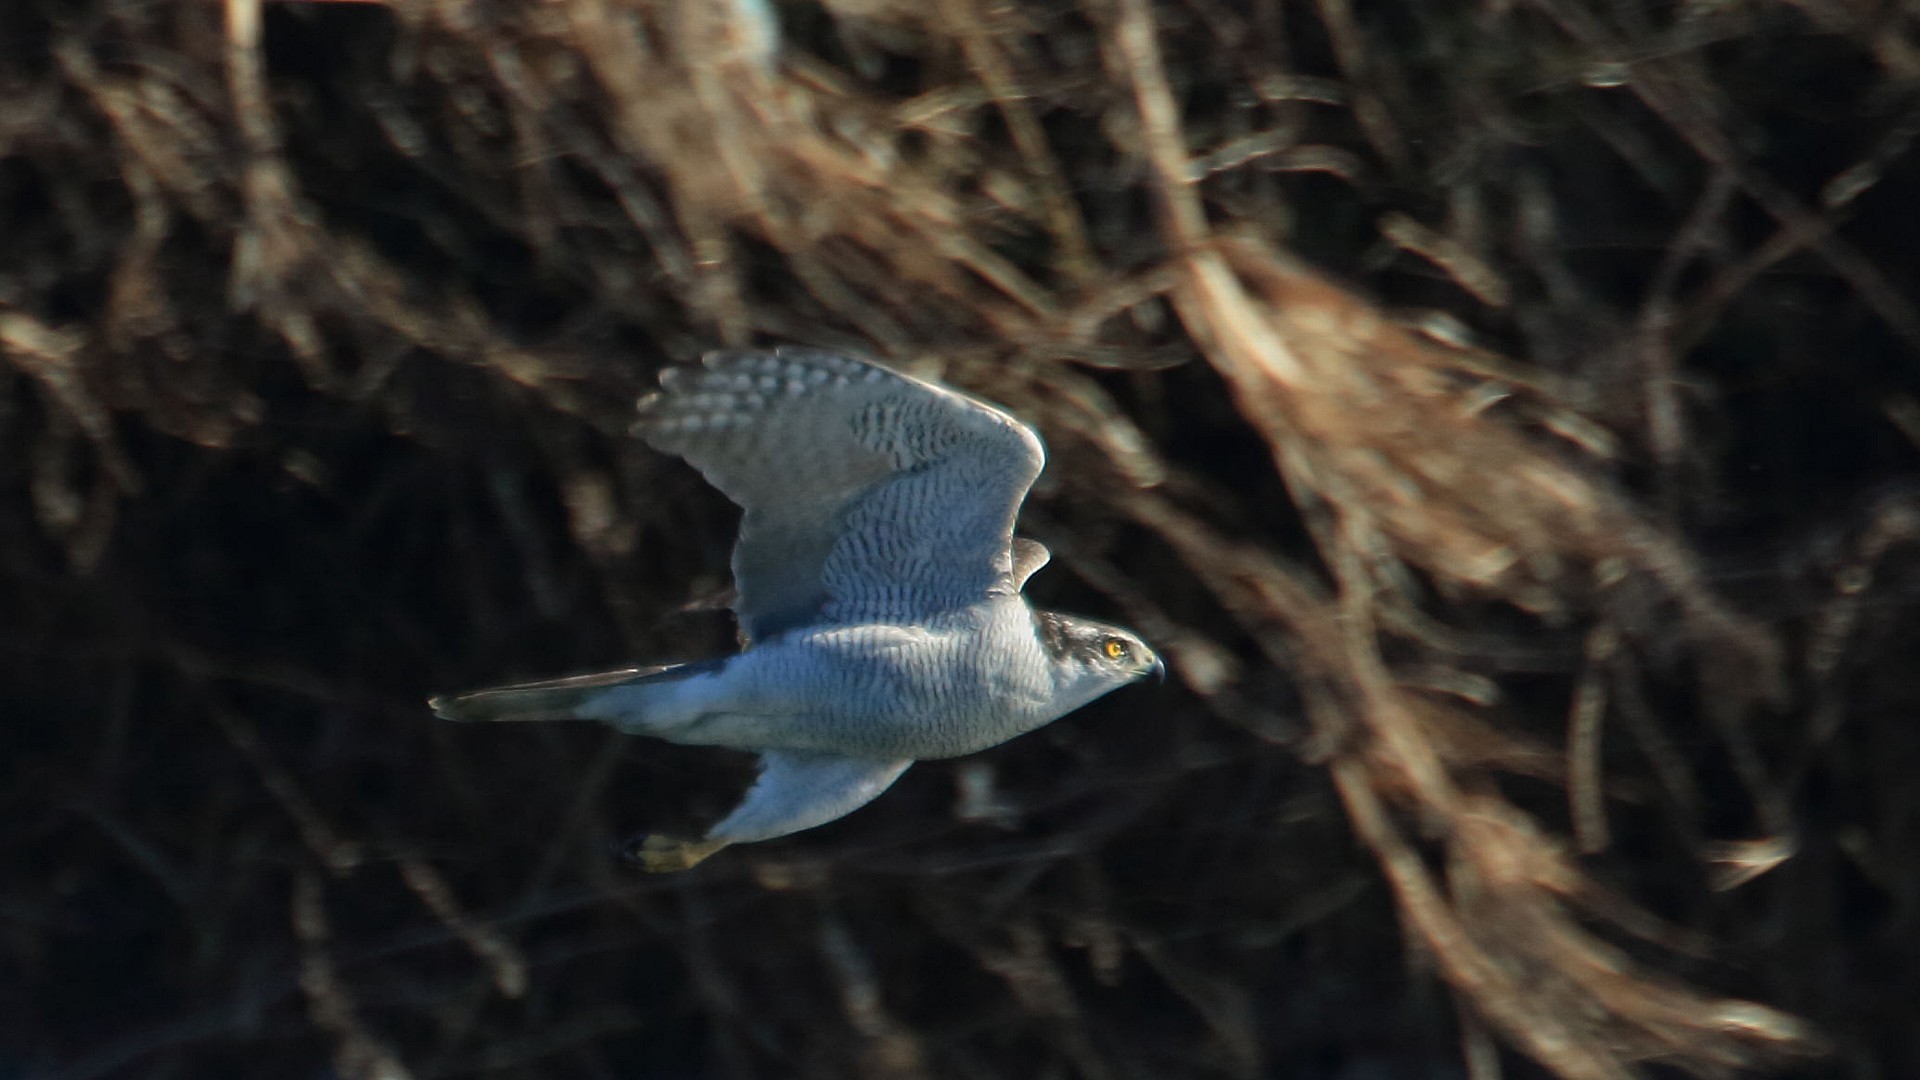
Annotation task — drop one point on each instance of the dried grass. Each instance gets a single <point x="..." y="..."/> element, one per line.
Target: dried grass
<point x="319" y="324"/>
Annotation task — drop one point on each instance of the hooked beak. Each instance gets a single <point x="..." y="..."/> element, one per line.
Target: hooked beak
<point x="1158" y="670"/>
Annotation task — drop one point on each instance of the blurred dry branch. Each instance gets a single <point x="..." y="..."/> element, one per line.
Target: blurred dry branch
<point x="1502" y="415"/>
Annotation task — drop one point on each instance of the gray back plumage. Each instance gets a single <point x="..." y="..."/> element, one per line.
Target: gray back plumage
<point x="868" y="495"/>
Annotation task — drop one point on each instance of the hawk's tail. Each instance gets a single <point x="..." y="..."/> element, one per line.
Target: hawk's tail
<point x="552" y="699"/>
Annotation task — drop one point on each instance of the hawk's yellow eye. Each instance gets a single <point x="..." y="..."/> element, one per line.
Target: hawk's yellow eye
<point x="1116" y="648"/>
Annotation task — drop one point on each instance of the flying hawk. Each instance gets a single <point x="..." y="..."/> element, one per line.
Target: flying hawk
<point x="877" y="586"/>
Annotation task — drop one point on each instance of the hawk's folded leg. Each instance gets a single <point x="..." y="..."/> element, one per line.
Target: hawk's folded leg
<point x="797" y="790"/>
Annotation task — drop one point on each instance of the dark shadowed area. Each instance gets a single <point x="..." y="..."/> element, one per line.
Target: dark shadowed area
<point x="1503" y="416"/>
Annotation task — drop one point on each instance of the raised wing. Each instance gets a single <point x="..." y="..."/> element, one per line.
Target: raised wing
<point x="868" y="495"/>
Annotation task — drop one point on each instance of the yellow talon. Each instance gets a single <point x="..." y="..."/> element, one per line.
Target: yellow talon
<point x="664" y="854"/>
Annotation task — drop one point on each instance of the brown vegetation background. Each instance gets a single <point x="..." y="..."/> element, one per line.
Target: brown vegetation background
<point x="1502" y="414"/>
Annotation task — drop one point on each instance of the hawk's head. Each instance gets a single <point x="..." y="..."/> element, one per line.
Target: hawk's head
<point x="1090" y="658"/>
